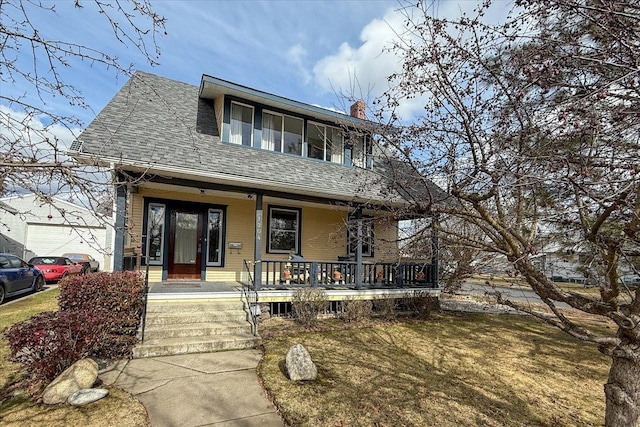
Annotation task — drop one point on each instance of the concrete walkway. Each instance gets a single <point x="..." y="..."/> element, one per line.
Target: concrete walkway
<point x="205" y="389"/>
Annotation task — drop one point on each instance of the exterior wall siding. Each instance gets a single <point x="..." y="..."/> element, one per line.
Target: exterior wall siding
<point x="324" y="234"/>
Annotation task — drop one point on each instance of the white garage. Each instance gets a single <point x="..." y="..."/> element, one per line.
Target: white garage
<point x="63" y="238"/>
<point x="36" y="228"/>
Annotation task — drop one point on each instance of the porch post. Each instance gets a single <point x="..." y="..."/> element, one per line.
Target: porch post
<point x="257" y="251"/>
<point x="359" y="247"/>
<point x="120" y="215"/>
<point x="435" y="244"/>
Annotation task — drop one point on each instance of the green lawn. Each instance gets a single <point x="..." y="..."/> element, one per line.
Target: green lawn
<point x="16" y="409"/>
<point x="451" y="370"/>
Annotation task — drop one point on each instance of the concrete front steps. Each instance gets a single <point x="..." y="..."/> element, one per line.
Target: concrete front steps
<point x="195" y="326"/>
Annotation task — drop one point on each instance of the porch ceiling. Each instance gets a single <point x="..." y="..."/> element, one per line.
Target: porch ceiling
<point x="234" y="192"/>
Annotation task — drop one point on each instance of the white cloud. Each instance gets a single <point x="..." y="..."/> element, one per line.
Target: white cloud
<point x="362" y="71"/>
<point x="295" y="56"/>
<point x="28" y="135"/>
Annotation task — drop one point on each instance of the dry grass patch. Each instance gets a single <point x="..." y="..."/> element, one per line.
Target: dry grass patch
<point x="448" y="371"/>
<point x="119" y="409"/>
<point x="116" y="410"/>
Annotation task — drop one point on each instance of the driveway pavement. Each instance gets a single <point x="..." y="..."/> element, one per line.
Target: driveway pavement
<point x="204" y="389"/>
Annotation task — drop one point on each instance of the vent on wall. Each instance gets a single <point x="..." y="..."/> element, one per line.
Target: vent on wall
<point x="76" y="146"/>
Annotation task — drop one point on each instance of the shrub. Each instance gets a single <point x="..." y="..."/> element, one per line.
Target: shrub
<point x="99" y="317"/>
<point x="354" y="309"/>
<point x="118" y="297"/>
<point x="50" y="342"/>
<point x="307" y="304"/>
<point x="421" y="303"/>
<point x="385" y="307"/>
<point x="119" y="292"/>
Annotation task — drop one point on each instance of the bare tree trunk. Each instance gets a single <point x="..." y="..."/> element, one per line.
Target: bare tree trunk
<point x="622" y="389"/>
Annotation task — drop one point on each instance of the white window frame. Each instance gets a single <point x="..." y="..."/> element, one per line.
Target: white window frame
<point x="362" y="151"/>
<point x="337" y="156"/>
<point x="282" y="131"/>
<point x="231" y="134"/>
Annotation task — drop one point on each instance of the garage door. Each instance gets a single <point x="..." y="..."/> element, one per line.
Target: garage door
<point x="58" y="239"/>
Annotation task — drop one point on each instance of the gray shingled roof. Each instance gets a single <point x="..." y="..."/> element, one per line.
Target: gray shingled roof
<point x="164" y="125"/>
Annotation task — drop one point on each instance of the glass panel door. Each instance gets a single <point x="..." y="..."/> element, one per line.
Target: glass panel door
<point x="185" y="245"/>
<point x="185" y="249"/>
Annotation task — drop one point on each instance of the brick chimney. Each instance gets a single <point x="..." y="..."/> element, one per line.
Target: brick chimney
<point x="358" y="110"/>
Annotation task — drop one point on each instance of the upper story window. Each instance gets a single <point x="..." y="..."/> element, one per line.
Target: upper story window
<point x="324" y="142"/>
<point x="282" y="133"/>
<point x="361" y="151"/>
<point x="241" y="124"/>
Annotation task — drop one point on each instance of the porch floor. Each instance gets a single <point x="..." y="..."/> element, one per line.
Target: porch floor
<point x="221" y="290"/>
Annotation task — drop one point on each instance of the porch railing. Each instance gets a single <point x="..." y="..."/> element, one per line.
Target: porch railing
<point x="251" y="298"/>
<point x="320" y="273"/>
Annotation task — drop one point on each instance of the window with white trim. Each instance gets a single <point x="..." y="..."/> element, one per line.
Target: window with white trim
<point x="282" y="133"/>
<point x="241" y="124"/>
<point x="284" y="230"/>
<point x="155" y="233"/>
<point x="324" y="142"/>
<point x="361" y="151"/>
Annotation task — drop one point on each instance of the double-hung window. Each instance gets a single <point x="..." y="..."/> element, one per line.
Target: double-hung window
<point x="281" y="133"/>
<point x="284" y="230"/>
<point x="367" y="238"/>
<point x="241" y="124"/>
<point x="324" y="142"/>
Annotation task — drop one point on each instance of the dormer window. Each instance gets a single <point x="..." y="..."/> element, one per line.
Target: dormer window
<point x="362" y="151"/>
<point x="281" y="133"/>
<point x="252" y="124"/>
<point x="241" y="124"/>
<point x="324" y="142"/>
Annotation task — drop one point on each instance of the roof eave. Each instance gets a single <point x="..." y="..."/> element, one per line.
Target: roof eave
<point x="213" y="87"/>
<point x="222" y="178"/>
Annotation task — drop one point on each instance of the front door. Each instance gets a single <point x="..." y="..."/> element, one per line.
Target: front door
<point x="185" y="245"/>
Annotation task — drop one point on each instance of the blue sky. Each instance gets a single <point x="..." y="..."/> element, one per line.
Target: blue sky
<point x="307" y="50"/>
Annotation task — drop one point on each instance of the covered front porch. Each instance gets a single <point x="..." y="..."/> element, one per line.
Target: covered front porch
<point x="268" y="241"/>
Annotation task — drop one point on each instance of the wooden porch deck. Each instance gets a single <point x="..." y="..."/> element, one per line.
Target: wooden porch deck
<point x="232" y="290"/>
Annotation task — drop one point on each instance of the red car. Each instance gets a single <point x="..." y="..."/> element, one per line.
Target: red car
<point x="56" y="268"/>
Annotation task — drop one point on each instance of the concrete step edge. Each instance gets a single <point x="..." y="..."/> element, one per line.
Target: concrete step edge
<point x="160" y="349"/>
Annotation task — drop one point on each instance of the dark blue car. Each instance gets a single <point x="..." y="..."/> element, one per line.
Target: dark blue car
<point x="18" y="277"/>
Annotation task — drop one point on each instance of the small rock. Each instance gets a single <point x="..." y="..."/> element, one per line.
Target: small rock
<point x="87" y="395"/>
<point x="82" y="374"/>
<point x="299" y="365"/>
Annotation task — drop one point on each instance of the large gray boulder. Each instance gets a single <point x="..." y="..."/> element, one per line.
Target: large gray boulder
<point x="299" y="365"/>
<point x="80" y="375"/>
